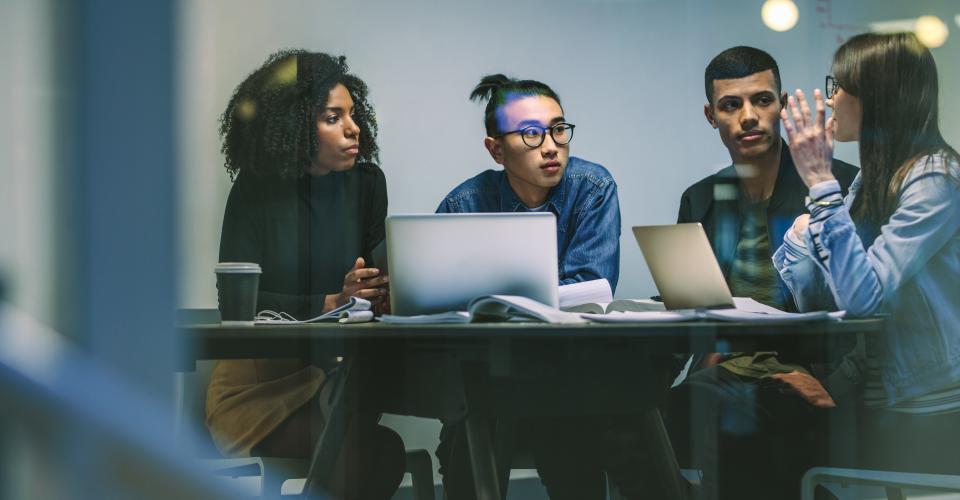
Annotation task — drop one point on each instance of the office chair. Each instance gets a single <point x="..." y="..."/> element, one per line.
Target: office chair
<point x="892" y="482"/>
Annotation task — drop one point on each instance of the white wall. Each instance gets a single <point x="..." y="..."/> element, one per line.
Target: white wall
<point x="27" y="150"/>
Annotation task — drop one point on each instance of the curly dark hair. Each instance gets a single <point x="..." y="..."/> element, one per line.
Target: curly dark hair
<point x="269" y="126"/>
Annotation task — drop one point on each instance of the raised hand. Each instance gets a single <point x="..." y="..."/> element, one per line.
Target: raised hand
<point x="810" y="137"/>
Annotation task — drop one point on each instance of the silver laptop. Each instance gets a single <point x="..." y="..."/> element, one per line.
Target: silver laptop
<point x="683" y="266"/>
<point x="439" y="262"/>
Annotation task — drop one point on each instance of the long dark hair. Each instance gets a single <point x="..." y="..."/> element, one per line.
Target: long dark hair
<point x="895" y="78"/>
<point x="270" y="124"/>
<point x="498" y="89"/>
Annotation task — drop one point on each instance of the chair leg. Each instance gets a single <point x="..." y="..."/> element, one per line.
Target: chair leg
<point x="275" y="471"/>
<point x="504" y="443"/>
<point x="613" y="492"/>
<point x="894" y="493"/>
<point x="483" y="460"/>
<point x="420" y="467"/>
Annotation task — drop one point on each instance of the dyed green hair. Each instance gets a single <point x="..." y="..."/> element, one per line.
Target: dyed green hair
<point x="498" y="90"/>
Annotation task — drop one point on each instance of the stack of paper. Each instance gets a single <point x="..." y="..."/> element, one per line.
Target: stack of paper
<point x="585" y="292"/>
<point x="746" y="310"/>
<point x="493" y="308"/>
<point x="439" y="318"/>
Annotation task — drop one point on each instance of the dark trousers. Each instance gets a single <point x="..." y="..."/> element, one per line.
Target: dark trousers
<point x="572" y="454"/>
<point x="371" y="463"/>
<point x="752" y="441"/>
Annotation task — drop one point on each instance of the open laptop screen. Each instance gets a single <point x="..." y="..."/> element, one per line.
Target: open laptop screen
<point x="439" y="262"/>
<point x="683" y="266"/>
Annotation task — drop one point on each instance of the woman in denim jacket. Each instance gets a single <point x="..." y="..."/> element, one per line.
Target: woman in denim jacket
<point x="892" y="246"/>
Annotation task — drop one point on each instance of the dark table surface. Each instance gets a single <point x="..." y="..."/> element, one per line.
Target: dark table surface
<point x="215" y="341"/>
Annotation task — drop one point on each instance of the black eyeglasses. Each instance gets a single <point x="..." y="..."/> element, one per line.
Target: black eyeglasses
<point x="533" y="135"/>
<point x="831" y="87"/>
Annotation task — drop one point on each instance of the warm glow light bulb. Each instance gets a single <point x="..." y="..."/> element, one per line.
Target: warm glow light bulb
<point x="932" y="31"/>
<point x="779" y="15"/>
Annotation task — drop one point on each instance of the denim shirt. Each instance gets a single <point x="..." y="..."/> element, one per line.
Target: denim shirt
<point x="585" y="204"/>
<point x="911" y="271"/>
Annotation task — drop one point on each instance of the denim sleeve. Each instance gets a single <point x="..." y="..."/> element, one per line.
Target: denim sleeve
<point x="447" y="207"/>
<point x="809" y="288"/>
<point x="594" y="250"/>
<point x="863" y="279"/>
<point x="804" y="279"/>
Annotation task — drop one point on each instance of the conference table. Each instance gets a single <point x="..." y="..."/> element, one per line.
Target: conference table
<point x="478" y="372"/>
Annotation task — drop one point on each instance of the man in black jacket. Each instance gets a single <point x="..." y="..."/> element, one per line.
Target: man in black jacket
<point x="764" y="407"/>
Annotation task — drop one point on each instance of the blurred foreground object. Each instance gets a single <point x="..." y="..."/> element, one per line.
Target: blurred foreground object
<point x="74" y="429"/>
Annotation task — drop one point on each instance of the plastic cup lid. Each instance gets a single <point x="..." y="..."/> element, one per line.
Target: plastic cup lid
<point x="237" y="267"/>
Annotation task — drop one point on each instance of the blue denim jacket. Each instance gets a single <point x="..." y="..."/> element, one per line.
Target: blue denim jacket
<point x="586" y="206"/>
<point x="911" y="271"/>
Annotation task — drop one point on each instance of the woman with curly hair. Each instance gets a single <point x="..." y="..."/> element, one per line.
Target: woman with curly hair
<point x="308" y="204"/>
<point x="891" y="246"/>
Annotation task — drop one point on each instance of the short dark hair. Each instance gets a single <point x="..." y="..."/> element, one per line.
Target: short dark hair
<point x="738" y="62"/>
<point x="270" y="124"/>
<point x="498" y="89"/>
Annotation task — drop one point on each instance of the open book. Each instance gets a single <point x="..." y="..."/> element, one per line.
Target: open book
<point x="595" y="297"/>
<point x="493" y="308"/>
<point x="746" y="310"/>
<point x="592" y="301"/>
<point x="619" y="305"/>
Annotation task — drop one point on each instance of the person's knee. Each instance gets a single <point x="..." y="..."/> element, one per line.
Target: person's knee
<point x="391" y="450"/>
<point x="386" y="460"/>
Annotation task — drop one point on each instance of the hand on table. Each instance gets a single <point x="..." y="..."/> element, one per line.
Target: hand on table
<point x="360" y="281"/>
<point x="810" y="138"/>
<point x="805" y="386"/>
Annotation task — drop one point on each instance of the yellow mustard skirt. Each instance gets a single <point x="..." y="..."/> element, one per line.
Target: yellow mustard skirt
<point x="248" y="398"/>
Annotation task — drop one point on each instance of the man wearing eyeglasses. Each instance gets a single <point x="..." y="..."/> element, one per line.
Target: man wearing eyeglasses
<point x="527" y="133"/>
<point x="767" y="403"/>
